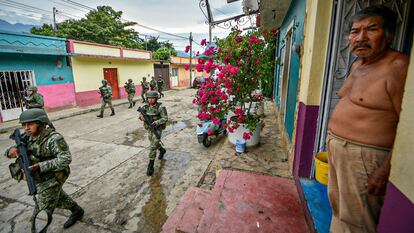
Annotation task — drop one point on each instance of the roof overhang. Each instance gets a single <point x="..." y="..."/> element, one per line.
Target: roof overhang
<point x="273" y="12"/>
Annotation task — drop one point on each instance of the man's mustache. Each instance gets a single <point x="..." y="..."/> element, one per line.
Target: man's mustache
<point x="361" y="45"/>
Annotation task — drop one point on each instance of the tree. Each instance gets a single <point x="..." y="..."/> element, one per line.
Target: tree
<point x="164" y="53"/>
<point x="153" y="44"/>
<point x="102" y="25"/>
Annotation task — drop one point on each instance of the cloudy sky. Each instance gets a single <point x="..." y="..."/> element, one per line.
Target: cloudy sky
<point x="174" y="16"/>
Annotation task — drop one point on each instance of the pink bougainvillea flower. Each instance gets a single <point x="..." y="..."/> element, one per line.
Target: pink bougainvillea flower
<point x="187" y="66"/>
<point x="240" y="119"/>
<point x="253" y="40"/>
<point x="210" y="132"/>
<point x="228" y="68"/>
<point x="234" y="70"/>
<point x="216" y="121"/>
<point x="194" y="101"/>
<point x="200" y="61"/>
<point x="187" y="48"/>
<point x="209" y="51"/>
<point x="238" y="39"/>
<point x="239" y="111"/>
<point x="230" y="130"/>
<point x="203" y="42"/>
<point x="199" y="67"/>
<point x="246" y="136"/>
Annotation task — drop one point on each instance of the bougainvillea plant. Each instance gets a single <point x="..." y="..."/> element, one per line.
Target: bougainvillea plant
<point x="235" y="64"/>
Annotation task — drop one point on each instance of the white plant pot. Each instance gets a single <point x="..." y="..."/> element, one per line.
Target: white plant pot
<point x="238" y="135"/>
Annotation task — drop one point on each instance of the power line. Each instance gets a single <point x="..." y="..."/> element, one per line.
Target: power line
<point x="26" y="6"/>
<point x="72" y="7"/>
<point x="70" y="15"/>
<point x="21" y="7"/>
<point x="25" y="9"/>
<point x="79" y="4"/>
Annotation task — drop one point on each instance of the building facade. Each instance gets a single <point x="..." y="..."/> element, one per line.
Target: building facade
<point x="91" y="63"/>
<point x="180" y="77"/>
<point x="42" y="61"/>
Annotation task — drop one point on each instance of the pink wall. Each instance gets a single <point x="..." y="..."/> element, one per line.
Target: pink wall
<point x="58" y="95"/>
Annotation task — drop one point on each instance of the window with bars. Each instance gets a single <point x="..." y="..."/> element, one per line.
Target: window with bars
<point x="13" y="85"/>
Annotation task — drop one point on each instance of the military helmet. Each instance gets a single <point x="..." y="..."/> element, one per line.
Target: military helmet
<point x="130" y="80"/>
<point x="34" y="114"/>
<point x="152" y="94"/>
<point x="32" y="88"/>
<point x="104" y="81"/>
<point x="144" y="78"/>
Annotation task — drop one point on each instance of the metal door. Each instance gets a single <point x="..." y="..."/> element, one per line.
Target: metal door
<point x="111" y="75"/>
<point x="13" y="85"/>
<point x="164" y="71"/>
<point x="340" y="58"/>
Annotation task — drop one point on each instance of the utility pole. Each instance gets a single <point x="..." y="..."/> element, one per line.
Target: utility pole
<point x="54" y="19"/>
<point x="191" y="57"/>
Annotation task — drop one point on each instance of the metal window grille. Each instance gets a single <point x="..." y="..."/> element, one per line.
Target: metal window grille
<point x="13" y="85"/>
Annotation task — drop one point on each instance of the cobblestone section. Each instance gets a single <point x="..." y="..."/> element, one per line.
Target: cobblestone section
<point x="268" y="158"/>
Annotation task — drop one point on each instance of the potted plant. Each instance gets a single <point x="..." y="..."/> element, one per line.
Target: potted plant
<point x="236" y="65"/>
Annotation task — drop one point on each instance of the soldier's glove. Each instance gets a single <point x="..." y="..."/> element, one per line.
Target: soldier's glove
<point x="154" y="124"/>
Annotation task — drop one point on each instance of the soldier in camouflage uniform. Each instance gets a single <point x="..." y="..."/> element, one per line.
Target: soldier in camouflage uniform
<point x="160" y="118"/>
<point x="50" y="158"/>
<point x="34" y="99"/>
<point x="160" y="85"/>
<point x="145" y="87"/>
<point x="106" y="94"/>
<point x="130" y="89"/>
<point x="153" y="84"/>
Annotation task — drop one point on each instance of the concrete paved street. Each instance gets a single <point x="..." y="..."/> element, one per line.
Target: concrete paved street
<point x="109" y="159"/>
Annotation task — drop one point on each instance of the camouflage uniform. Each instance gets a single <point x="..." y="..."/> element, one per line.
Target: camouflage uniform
<point x="106" y="94"/>
<point x="153" y="84"/>
<point x="159" y="116"/>
<point x="145" y="87"/>
<point x="35" y="101"/>
<point x="52" y="153"/>
<point x="160" y="86"/>
<point x="130" y="89"/>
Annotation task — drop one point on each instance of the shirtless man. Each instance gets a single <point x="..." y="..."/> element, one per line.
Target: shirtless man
<point x="363" y="125"/>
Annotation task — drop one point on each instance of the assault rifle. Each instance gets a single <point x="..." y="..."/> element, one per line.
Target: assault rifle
<point x="101" y="93"/>
<point x="24" y="162"/>
<point x="148" y="121"/>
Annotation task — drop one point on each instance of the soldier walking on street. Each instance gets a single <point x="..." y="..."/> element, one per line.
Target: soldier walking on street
<point x="35" y="100"/>
<point x="106" y="94"/>
<point x="49" y="157"/>
<point x="153" y="84"/>
<point x="130" y="89"/>
<point x="145" y="87"/>
<point x="159" y="115"/>
<point x="160" y="85"/>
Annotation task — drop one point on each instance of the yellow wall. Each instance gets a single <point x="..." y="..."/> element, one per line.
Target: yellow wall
<point x="96" y="50"/>
<point x="137" y="54"/>
<point x="402" y="168"/>
<point x="315" y="43"/>
<point x="88" y="72"/>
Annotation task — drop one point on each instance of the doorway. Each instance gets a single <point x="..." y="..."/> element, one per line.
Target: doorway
<point x="164" y="71"/>
<point x="111" y="75"/>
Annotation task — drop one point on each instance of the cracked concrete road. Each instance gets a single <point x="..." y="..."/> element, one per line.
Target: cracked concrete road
<point x="109" y="159"/>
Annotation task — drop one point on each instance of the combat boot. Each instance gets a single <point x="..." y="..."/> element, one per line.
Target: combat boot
<point x="77" y="214"/>
<point x="113" y="112"/>
<point x="150" y="168"/>
<point x="100" y="115"/>
<point x="130" y="106"/>
<point x="162" y="153"/>
<point x="133" y="103"/>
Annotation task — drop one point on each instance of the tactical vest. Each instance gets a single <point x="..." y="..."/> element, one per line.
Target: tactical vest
<point x="154" y="112"/>
<point x="105" y="92"/>
<point x="39" y="153"/>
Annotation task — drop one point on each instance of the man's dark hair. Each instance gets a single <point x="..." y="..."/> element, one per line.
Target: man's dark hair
<point x="388" y="16"/>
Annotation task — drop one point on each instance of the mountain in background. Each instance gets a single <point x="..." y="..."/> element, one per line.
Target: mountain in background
<point x="18" y="27"/>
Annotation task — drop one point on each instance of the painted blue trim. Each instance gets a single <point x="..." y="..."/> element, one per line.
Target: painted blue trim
<point x="296" y="13"/>
<point x="31" y="35"/>
<point x="317" y="201"/>
<point x="44" y="67"/>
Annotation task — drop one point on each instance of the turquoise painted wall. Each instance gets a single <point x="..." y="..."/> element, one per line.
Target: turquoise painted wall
<point x="295" y="13"/>
<point x="44" y="67"/>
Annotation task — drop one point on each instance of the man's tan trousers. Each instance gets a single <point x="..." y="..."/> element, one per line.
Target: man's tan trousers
<point x="350" y="164"/>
